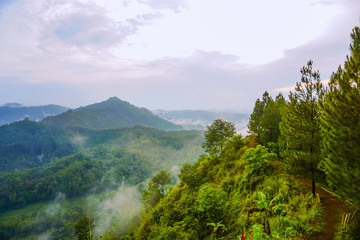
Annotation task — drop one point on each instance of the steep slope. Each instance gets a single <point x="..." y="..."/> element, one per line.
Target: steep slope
<point x="110" y="114"/>
<point x="221" y="197"/>
<point x="12" y="112"/>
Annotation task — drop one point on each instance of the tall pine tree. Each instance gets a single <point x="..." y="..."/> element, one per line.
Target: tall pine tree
<point x="254" y="125"/>
<point x="300" y="128"/>
<point x="341" y="126"/>
<point x="271" y="119"/>
<point x="265" y="118"/>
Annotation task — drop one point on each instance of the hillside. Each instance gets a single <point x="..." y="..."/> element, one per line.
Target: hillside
<point x="110" y="114"/>
<point x="26" y="144"/>
<point x="221" y="197"/>
<point x="12" y="112"/>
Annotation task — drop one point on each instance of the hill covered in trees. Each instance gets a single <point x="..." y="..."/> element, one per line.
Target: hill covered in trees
<point x="109" y="114"/>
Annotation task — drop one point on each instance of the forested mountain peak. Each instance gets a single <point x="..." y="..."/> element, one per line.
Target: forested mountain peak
<point x="111" y="103"/>
<point x="112" y="113"/>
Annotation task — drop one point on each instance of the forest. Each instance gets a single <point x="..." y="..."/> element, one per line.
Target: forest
<point x="302" y="151"/>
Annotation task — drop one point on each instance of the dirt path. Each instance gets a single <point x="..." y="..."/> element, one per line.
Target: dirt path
<point x="334" y="210"/>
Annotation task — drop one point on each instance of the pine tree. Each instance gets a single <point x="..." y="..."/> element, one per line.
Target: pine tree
<point x="341" y="126"/>
<point x="271" y="119"/>
<point x="300" y="128"/>
<point x="265" y="118"/>
<point x="255" y="117"/>
<point x="254" y="125"/>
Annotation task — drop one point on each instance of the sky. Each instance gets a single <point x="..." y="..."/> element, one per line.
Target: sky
<point x="167" y="54"/>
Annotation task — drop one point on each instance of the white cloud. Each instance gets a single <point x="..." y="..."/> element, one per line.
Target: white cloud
<point x="255" y="32"/>
<point x="167" y="54"/>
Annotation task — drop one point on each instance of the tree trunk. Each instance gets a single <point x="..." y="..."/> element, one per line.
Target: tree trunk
<point x="313" y="188"/>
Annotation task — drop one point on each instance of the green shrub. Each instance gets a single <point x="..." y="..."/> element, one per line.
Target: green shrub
<point x="211" y="202"/>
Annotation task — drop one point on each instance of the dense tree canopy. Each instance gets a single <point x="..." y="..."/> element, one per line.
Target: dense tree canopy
<point x="216" y="133"/>
<point x="300" y="127"/>
<point x="162" y="179"/>
<point x="341" y="126"/>
<point x="265" y="119"/>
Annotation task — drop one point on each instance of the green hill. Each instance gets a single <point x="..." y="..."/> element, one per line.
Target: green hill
<point x="26" y="144"/>
<point x="110" y="114"/>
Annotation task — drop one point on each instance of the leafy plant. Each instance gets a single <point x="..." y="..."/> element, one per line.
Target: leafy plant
<point x="271" y="207"/>
<point x="217" y="226"/>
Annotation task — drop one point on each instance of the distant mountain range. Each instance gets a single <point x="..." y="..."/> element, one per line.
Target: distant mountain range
<point x="110" y="114"/>
<point x="26" y="143"/>
<point x="115" y="113"/>
<point x="199" y="120"/>
<point x="11" y="112"/>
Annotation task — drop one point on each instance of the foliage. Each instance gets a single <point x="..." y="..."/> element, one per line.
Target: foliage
<point x="217" y="226"/>
<point x="73" y="175"/>
<point x="216" y="133"/>
<point x="162" y="179"/>
<point x="270" y="121"/>
<point x="265" y="118"/>
<point x="27" y="144"/>
<point x="211" y="202"/>
<point x="84" y="228"/>
<point x="341" y="126"/>
<point x="259" y="165"/>
<point x="270" y="207"/>
<point x="300" y="127"/>
<point x="156" y="189"/>
<point x="214" y="196"/>
<point x="257" y="232"/>
<point x="103" y="165"/>
<point x="255" y="117"/>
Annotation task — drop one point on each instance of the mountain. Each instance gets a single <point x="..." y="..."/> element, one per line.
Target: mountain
<point x="11" y="112"/>
<point x="110" y="114"/>
<point x="199" y="120"/>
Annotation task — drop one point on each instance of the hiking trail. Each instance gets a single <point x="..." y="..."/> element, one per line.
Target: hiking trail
<point x="334" y="209"/>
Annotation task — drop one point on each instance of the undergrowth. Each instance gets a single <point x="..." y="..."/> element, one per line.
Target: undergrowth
<point x="237" y="191"/>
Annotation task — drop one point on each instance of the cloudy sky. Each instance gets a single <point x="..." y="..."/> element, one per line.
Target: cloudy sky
<point x="167" y="54"/>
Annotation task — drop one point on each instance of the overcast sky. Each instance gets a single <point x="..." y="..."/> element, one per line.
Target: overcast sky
<point x="167" y="54"/>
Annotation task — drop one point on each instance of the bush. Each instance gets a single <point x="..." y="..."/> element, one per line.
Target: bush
<point x="211" y="201"/>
